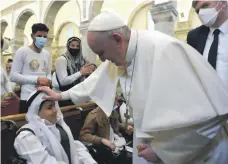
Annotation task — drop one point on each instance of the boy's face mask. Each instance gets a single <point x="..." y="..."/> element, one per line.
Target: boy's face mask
<point x="40" y="42"/>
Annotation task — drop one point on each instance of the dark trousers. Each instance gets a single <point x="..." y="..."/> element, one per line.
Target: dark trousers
<point x="23" y="107"/>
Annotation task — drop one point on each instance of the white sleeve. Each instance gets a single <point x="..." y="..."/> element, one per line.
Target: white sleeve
<point x="77" y="94"/>
<point x="15" y="75"/>
<point x="98" y="87"/>
<point x="83" y="154"/>
<point x="61" y="72"/>
<point x="31" y="149"/>
<point x="7" y="82"/>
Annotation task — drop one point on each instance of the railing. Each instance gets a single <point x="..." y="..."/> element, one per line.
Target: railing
<point x="18" y="117"/>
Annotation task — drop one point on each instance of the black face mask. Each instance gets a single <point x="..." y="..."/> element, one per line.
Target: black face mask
<point x="74" y="51"/>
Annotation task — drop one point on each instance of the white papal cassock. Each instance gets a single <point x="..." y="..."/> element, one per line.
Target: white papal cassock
<point x="177" y="101"/>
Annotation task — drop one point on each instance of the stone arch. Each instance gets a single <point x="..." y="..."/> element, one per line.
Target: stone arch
<point x="62" y="25"/>
<point x="20" y="27"/>
<point x="95" y="8"/>
<point x="136" y="10"/>
<point x="51" y="13"/>
<point x="49" y="19"/>
<point x="4" y="25"/>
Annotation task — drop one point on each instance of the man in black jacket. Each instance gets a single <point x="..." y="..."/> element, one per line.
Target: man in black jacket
<point x="211" y="39"/>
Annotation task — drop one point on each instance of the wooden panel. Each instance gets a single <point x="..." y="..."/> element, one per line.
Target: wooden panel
<point x="18" y="117"/>
<point x="73" y="117"/>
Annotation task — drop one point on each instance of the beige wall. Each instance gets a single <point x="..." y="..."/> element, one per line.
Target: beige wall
<point x="28" y="28"/>
<point x="8" y="32"/>
<point x="141" y="19"/>
<point x="68" y="12"/>
<point x="121" y="7"/>
<point x="195" y="21"/>
<point x="66" y="32"/>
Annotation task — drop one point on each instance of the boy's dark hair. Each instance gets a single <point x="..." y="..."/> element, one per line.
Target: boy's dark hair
<point x="39" y="27"/>
<point x="10" y="61"/>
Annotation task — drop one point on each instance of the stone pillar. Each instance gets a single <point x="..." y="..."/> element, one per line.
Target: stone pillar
<point x="49" y="47"/>
<point x="84" y="27"/>
<point x="164" y="16"/>
<point x="87" y="52"/>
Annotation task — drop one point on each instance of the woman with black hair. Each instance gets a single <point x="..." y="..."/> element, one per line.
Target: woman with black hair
<point x="71" y="68"/>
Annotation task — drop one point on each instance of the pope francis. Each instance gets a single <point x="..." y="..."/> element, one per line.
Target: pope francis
<point x="178" y="103"/>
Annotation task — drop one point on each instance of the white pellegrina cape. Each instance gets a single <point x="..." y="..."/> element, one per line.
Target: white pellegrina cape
<point x="173" y="88"/>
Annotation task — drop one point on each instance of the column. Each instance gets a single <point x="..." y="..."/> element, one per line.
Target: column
<point x="87" y="52"/>
<point x="164" y="16"/>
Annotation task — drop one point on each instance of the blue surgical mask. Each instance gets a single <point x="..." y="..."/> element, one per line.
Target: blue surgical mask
<point x="40" y="42"/>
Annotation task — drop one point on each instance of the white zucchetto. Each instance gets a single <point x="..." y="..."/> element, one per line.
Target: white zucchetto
<point x="106" y="21"/>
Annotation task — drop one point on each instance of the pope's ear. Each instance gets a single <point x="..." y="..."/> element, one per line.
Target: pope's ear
<point x="117" y="37"/>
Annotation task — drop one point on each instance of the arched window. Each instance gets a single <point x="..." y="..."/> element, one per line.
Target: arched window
<point x="150" y="22"/>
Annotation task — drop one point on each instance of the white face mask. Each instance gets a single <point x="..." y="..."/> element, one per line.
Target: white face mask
<point x="208" y="16"/>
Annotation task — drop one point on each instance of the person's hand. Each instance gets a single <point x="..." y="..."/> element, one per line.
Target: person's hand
<point x="43" y="81"/>
<point x="87" y="69"/>
<point x="147" y="153"/>
<point x="51" y="94"/>
<point x="108" y="143"/>
<point x="129" y="130"/>
<point x="4" y="103"/>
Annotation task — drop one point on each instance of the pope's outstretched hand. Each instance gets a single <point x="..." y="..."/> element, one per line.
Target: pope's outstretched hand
<point x="51" y="94"/>
<point x="147" y="153"/>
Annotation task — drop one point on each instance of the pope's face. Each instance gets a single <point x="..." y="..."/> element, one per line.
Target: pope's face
<point x="112" y="49"/>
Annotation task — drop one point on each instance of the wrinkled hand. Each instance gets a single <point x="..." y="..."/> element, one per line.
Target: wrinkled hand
<point x="51" y="94"/>
<point x="147" y="153"/>
<point x="108" y="143"/>
<point x="87" y="69"/>
<point x="43" y="81"/>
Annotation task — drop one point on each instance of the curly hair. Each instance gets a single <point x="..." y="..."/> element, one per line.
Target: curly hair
<point x="39" y="27"/>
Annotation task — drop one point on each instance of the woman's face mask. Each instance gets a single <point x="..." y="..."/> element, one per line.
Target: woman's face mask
<point x="74" y="51"/>
<point x="208" y="16"/>
<point x="74" y="48"/>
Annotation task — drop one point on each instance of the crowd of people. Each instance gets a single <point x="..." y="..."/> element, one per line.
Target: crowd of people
<point x="49" y="139"/>
<point x="175" y="93"/>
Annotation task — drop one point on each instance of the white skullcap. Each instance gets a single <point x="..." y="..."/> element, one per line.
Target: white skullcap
<point x="106" y="21"/>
